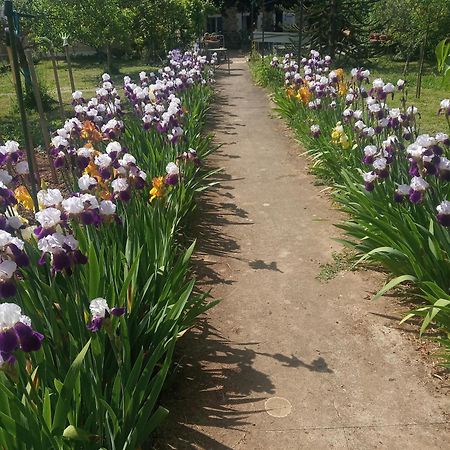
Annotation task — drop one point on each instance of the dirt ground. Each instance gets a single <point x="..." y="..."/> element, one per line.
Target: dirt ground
<point x="293" y="357"/>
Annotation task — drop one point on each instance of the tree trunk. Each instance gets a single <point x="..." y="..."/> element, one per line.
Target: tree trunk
<point x="332" y="31"/>
<point x="108" y="58"/>
<point x="406" y="67"/>
<point x="422" y="60"/>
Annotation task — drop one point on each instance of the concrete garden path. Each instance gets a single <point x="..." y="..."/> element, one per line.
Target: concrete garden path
<point x="289" y="361"/>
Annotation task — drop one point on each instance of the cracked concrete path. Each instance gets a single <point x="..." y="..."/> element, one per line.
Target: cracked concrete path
<point x="287" y="361"/>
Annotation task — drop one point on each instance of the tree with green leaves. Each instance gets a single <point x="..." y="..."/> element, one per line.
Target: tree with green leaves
<point x="408" y="22"/>
<point x="339" y="26"/>
<point x="124" y="26"/>
<point x="415" y="27"/>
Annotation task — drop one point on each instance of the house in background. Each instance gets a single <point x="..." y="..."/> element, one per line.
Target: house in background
<point x="239" y="18"/>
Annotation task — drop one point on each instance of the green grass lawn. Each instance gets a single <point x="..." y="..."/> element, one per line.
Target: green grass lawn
<point x="390" y="70"/>
<point x="433" y="90"/>
<point x="87" y="73"/>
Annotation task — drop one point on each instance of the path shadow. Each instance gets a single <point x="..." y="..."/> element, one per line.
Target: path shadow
<point x="317" y="365"/>
<point x="259" y="264"/>
<point x="216" y="386"/>
<point x="216" y="212"/>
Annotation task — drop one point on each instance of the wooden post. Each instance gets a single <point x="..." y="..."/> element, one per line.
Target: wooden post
<point x="421" y="64"/>
<point x="40" y="108"/>
<point x="35" y="172"/>
<point x="9" y="13"/>
<point x="11" y="63"/>
<point x="58" y="86"/>
<point x="69" y="67"/>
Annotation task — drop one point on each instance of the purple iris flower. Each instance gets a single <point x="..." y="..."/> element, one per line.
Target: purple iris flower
<point x="17" y="333"/>
<point x="100" y="312"/>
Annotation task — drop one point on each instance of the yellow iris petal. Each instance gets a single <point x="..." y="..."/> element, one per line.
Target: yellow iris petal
<point x="23" y="197"/>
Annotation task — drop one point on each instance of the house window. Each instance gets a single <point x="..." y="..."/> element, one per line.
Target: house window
<point x="215" y="24"/>
<point x="288" y="20"/>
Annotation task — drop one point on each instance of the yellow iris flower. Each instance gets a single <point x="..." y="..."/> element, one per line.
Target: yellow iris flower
<point x="158" y="189"/>
<point x="339" y="137"/>
<point x="90" y="133"/>
<point x="290" y="92"/>
<point x="304" y="94"/>
<point x="23" y="197"/>
<point x="342" y="88"/>
<point x="92" y="171"/>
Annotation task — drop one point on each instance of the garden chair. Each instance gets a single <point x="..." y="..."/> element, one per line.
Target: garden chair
<point x="215" y="43"/>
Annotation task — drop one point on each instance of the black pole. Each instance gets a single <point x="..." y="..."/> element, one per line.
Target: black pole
<point x="300" y="34"/>
<point x="262" y="27"/>
<point x="252" y="19"/>
<point x="9" y="13"/>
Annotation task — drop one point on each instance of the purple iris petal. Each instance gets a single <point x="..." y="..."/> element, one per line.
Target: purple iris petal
<point x="79" y="258"/>
<point x="414" y="170"/>
<point x="82" y="162"/>
<point x="444" y="219"/>
<point x="368" y="159"/>
<point x="41" y="260"/>
<point x="30" y="341"/>
<point x="8" y="341"/>
<point x="8" y="289"/>
<point x="431" y="167"/>
<point x="8" y="358"/>
<point x="41" y="232"/>
<point x="95" y="324"/>
<point x="171" y="180"/>
<point x="87" y="217"/>
<point x="437" y="150"/>
<point x="415" y="196"/>
<point x="124" y="196"/>
<point x="105" y="173"/>
<point x="139" y="183"/>
<point x="23" y="331"/>
<point x="61" y="261"/>
<point x="369" y="187"/>
<point x="117" y="312"/>
<point x="4" y="224"/>
<point x="59" y="162"/>
<point x="20" y="257"/>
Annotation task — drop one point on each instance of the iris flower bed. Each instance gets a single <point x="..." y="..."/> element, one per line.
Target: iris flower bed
<point x="390" y="178"/>
<point x="95" y="286"/>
